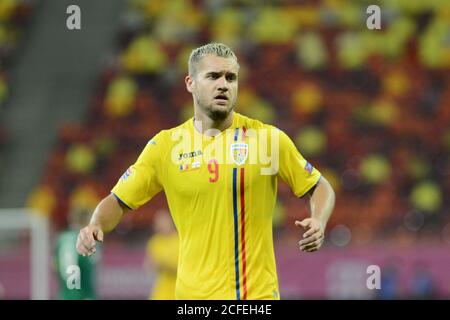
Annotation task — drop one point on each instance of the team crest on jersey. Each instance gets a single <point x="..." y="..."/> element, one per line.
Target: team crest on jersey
<point x="239" y="152"/>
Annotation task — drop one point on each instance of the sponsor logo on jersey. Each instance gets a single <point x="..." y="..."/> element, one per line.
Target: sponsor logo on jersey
<point x="189" y="155"/>
<point x="189" y="167"/>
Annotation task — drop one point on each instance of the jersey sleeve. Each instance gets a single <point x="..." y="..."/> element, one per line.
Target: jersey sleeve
<point x="294" y="169"/>
<point x="142" y="180"/>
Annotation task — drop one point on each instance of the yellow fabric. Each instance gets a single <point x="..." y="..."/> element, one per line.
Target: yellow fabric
<point x="162" y="250"/>
<point x="223" y="236"/>
<point x="43" y="200"/>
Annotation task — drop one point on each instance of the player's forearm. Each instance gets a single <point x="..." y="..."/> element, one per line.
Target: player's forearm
<point x="107" y="214"/>
<point x="322" y="201"/>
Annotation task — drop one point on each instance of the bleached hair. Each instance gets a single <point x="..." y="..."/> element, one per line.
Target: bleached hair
<point x="217" y="49"/>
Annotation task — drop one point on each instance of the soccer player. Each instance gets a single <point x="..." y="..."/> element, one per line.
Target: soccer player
<point x="162" y="257"/>
<point x="219" y="172"/>
<point x="76" y="275"/>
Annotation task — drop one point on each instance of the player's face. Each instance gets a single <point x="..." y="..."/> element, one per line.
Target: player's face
<point x="214" y="86"/>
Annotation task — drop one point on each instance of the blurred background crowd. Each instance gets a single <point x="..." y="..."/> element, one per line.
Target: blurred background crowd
<point x="13" y="17"/>
<point x="369" y="108"/>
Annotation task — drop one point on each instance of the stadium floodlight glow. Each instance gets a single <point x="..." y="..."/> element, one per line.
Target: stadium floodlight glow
<point x="26" y="219"/>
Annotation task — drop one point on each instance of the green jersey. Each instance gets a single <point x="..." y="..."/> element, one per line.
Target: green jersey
<point x="76" y="274"/>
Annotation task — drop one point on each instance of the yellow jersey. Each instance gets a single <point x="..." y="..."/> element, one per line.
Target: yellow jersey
<point x="221" y="190"/>
<point x="162" y="250"/>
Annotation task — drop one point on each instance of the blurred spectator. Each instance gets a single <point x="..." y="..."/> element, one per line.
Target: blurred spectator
<point x="311" y="141"/>
<point x="43" y="200"/>
<point x="426" y="196"/>
<point x="375" y="169"/>
<point x="13" y="14"/>
<point x="254" y="106"/>
<point x="389" y="283"/>
<point x="423" y="285"/>
<point x="120" y="97"/>
<point x="311" y="51"/>
<point x="227" y="27"/>
<point x="273" y="25"/>
<point x="3" y="88"/>
<point x="307" y="99"/>
<point x="7" y="8"/>
<point x="76" y="274"/>
<point x="84" y="197"/>
<point x="162" y="257"/>
<point x="80" y="159"/>
<point x="144" y="55"/>
<point x="178" y="21"/>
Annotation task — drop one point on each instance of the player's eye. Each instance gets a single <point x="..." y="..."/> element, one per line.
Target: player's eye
<point x="213" y="76"/>
<point x="231" y="77"/>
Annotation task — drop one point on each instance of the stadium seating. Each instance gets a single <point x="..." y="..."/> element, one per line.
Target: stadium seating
<point x="14" y="15"/>
<point x="370" y="109"/>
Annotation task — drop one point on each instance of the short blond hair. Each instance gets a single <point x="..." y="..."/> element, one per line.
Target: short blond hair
<point x="217" y="49"/>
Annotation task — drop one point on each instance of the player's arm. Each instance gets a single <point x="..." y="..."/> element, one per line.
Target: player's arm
<point x="322" y="199"/>
<point x="106" y="217"/>
<point x="108" y="213"/>
<point x="304" y="179"/>
<point x="137" y="185"/>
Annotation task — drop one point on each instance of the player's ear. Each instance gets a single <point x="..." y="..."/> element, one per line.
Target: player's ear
<point x="189" y="83"/>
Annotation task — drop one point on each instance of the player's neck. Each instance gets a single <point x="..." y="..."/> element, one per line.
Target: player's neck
<point x="203" y="123"/>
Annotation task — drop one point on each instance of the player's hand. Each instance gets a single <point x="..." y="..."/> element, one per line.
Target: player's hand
<point x="313" y="236"/>
<point x="87" y="238"/>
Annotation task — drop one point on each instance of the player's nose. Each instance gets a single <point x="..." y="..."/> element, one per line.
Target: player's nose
<point x="222" y="84"/>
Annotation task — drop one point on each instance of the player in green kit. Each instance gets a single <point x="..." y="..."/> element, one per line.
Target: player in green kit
<point x="75" y="273"/>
